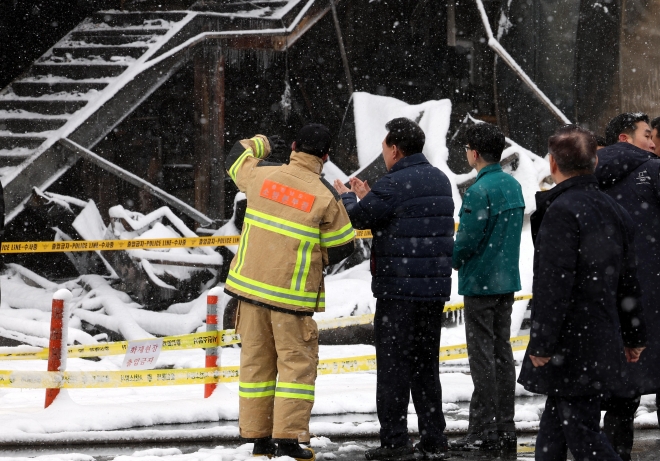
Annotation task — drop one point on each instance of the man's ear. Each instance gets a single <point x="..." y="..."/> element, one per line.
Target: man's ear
<point x="293" y="146"/>
<point x="623" y="137"/>
<point x="325" y="158"/>
<point x="553" y="165"/>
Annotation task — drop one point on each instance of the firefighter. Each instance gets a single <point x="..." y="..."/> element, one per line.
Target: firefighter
<point x="295" y="225"/>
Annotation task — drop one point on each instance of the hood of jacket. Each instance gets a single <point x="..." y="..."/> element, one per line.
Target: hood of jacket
<point x="617" y="161"/>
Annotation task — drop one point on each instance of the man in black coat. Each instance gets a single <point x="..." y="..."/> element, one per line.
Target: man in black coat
<point x="410" y="212"/>
<point x="586" y="319"/>
<point x="629" y="172"/>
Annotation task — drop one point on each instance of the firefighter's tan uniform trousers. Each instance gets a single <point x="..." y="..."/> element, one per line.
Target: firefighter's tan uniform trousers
<point x="271" y="342"/>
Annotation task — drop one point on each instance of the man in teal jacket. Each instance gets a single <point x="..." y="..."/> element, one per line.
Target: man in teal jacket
<point x="486" y="255"/>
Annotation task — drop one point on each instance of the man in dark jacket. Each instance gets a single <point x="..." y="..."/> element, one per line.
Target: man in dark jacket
<point x="486" y="254"/>
<point x="629" y="172"/>
<point x="410" y="212"/>
<point x="586" y="318"/>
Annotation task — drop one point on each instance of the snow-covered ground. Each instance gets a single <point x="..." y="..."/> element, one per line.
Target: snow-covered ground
<point x="97" y="415"/>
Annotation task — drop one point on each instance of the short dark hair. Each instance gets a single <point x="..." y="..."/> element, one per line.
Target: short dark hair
<point x="655" y="124"/>
<point x="625" y="123"/>
<point x="314" y="139"/>
<point x="574" y="149"/>
<point x="487" y="140"/>
<point x="406" y="135"/>
<point x="600" y="141"/>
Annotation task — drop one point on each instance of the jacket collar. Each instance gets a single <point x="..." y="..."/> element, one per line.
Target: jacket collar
<point x="544" y="199"/>
<point x="617" y="161"/>
<point x="306" y="161"/>
<point x="493" y="167"/>
<point x="411" y="160"/>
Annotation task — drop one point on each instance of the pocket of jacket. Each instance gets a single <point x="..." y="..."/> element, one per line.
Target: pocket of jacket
<point x="310" y="329"/>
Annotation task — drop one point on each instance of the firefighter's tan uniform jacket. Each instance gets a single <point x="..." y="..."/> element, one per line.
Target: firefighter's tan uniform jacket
<point x="295" y="224"/>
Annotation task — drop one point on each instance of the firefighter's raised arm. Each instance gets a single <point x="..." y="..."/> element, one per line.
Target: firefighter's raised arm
<point x="243" y="157"/>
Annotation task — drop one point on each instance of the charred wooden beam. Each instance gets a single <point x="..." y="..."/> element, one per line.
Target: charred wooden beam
<point x="281" y="42"/>
<point x="209" y="104"/>
<point x="136" y="181"/>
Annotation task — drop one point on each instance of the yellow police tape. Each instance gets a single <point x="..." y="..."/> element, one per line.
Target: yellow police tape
<point x="368" y="319"/>
<point x="170" y="343"/>
<point x="135" y="244"/>
<point x="196" y="340"/>
<point x="172" y="377"/>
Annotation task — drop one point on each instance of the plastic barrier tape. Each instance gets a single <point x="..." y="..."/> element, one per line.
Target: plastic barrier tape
<point x="199" y="340"/>
<point x="103" y="379"/>
<point x="171" y="377"/>
<point x="170" y="343"/>
<point x="368" y="319"/>
<point x="136" y="244"/>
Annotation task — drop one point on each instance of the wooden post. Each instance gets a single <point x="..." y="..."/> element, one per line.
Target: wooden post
<point x="209" y="105"/>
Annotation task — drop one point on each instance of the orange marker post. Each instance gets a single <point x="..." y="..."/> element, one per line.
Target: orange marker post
<point x="212" y="325"/>
<point x="57" y="347"/>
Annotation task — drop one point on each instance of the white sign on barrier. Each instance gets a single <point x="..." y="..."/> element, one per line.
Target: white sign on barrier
<point x="142" y="354"/>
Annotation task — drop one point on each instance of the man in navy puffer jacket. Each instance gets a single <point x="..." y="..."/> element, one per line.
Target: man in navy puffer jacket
<point x="410" y="212"/>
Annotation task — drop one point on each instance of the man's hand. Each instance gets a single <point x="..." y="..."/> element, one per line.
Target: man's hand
<point x="539" y="361"/>
<point x="633" y="353"/>
<point x="340" y="188"/>
<point x="361" y="188"/>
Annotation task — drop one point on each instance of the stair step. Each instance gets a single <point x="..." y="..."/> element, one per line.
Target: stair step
<point x="30" y="125"/>
<point x="118" y="32"/>
<point x="110" y="39"/>
<point x="36" y="89"/>
<point x="46" y="106"/>
<point x="78" y="71"/>
<point x="14" y="157"/>
<point x="105" y="52"/>
<point x="13" y="142"/>
<point x="134" y="18"/>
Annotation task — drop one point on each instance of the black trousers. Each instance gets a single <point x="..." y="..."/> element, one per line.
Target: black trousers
<point x="572" y="423"/>
<point x="488" y="331"/>
<point x="619" y="423"/>
<point x="407" y="338"/>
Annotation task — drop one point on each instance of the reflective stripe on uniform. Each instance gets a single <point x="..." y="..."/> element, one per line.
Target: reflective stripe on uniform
<point x="281" y="226"/>
<point x="254" y="390"/>
<point x="274" y="293"/>
<point x="294" y="391"/>
<point x="237" y="164"/>
<point x="303" y="261"/>
<point x="259" y="146"/>
<point x="336" y="238"/>
<point x="242" y="249"/>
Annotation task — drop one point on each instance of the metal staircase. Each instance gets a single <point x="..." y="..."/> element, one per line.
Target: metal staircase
<point x="103" y="69"/>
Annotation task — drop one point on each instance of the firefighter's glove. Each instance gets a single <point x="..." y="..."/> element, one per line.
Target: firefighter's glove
<point x="279" y="151"/>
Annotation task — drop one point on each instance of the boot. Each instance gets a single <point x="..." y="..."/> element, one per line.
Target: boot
<point x="482" y="441"/>
<point x="292" y="449"/>
<point x="508" y="442"/>
<point x="405" y="453"/>
<point x="264" y="447"/>
<point x="433" y="452"/>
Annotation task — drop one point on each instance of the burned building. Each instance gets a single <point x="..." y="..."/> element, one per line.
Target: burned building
<point x="134" y="102"/>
